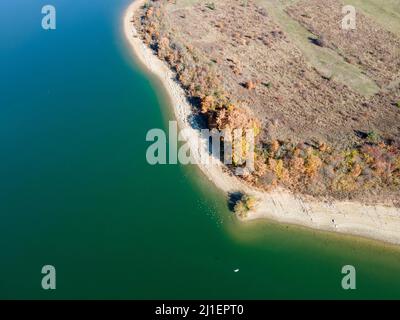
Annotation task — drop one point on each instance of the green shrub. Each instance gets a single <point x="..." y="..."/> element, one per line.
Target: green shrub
<point x="210" y="5"/>
<point x="373" y="137"/>
<point x="244" y="205"/>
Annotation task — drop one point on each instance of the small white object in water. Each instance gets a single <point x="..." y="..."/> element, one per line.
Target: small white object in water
<point x="236" y="270"/>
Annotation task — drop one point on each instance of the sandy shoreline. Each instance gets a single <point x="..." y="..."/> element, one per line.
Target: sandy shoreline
<point x="375" y="222"/>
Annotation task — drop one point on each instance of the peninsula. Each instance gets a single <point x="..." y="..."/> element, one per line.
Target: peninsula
<point x="326" y="102"/>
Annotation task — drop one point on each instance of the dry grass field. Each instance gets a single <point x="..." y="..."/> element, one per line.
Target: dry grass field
<point x="328" y="112"/>
<point x="374" y="49"/>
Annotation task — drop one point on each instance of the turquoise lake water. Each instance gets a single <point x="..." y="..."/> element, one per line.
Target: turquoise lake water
<point x="77" y="193"/>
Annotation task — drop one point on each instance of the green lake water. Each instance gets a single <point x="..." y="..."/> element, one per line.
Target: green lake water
<point x="77" y="193"/>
